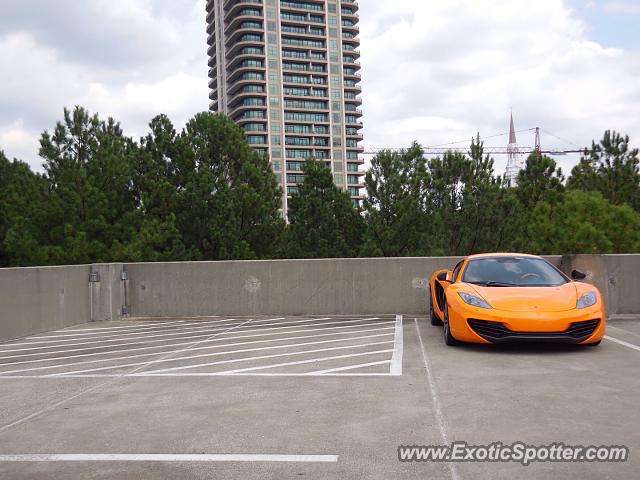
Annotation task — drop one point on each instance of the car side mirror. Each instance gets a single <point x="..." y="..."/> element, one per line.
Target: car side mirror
<point x="578" y="275"/>
<point x="442" y="276"/>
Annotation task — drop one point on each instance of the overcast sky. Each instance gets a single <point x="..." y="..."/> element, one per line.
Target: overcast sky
<point x="435" y="71"/>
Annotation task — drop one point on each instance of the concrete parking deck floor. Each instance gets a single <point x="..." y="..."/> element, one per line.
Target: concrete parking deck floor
<point x="303" y="397"/>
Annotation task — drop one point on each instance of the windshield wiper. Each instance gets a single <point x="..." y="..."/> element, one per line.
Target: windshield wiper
<point x="499" y="284"/>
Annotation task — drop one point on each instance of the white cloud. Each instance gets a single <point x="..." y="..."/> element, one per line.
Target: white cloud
<point x="17" y="142"/>
<point x="435" y="71"/>
<point x="141" y="58"/>
<point x="467" y="63"/>
<point x="623" y="7"/>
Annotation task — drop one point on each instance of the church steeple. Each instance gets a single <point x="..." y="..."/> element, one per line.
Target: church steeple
<point x="514" y="160"/>
<point x="512" y="132"/>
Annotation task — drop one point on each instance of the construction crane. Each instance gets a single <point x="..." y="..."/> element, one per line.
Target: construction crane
<point x="487" y="151"/>
<point x="447" y="147"/>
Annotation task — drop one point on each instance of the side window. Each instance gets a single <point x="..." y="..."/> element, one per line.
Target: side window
<point x="456" y="271"/>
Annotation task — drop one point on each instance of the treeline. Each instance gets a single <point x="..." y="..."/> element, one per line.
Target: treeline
<point x="204" y="194"/>
<point x="456" y="205"/>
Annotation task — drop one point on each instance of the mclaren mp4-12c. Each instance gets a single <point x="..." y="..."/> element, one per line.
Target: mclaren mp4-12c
<point x="499" y="298"/>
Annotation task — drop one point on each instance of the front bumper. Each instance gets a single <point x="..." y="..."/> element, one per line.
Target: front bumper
<point x="478" y="325"/>
<point x="496" y="332"/>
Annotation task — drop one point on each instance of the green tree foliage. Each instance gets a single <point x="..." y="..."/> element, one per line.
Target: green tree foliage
<point x="396" y="220"/>
<point x="540" y="180"/>
<point x="22" y="193"/>
<point x="155" y="189"/>
<point x="201" y="194"/>
<point x="204" y="194"/>
<point x="611" y="168"/>
<point x="467" y="203"/>
<point x="323" y="220"/>
<point x="91" y="207"/>
<point x="455" y="205"/>
<point x="584" y="222"/>
<point x="228" y="198"/>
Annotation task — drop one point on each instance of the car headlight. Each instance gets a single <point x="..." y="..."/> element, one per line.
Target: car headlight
<point x="587" y="300"/>
<point x="473" y="300"/>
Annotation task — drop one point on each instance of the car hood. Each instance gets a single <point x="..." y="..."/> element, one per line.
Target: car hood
<point x="527" y="299"/>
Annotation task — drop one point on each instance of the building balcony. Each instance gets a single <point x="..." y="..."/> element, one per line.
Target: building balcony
<point x="235" y="86"/>
<point x="359" y="149"/>
<point x="305" y="109"/>
<point x="236" y="109"/>
<point x="234" y="75"/>
<point x="239" y="95"/>
<point x="233" y="38"/>
<point x="231" y="8"/>
<point x="354" y="64"/>
<point x="233" y="25"/>
<point x="357" y="124"/>
<point x="353" y="75"/>
<point x="350" y="4"/>
<point x="242" y="120"/>
<point x="298" y="8"/>
<point x="248" y="56"/>
<point x="353" y="100"/>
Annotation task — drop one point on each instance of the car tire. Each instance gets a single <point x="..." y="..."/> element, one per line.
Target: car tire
<point x="448" y="338"/>
<point x="435" y="321"/>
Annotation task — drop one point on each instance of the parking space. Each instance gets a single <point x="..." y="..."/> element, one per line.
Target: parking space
<point x="211" y="347"/>
<point x="303" y="397"/>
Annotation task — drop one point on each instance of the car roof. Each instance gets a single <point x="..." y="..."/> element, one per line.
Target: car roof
<point x="489" y="255"/>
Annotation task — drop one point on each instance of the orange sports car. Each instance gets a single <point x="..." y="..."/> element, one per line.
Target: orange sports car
<point x="496" y="298"/>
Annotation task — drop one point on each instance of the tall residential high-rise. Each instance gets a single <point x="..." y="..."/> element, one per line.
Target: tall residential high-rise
<point x="287" y="72"/>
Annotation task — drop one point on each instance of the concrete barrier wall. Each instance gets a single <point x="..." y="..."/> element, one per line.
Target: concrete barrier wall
<point x="291" y="287"/>
<point x="616" y="276"/>
<point x="623" y="283"/>
<point x="284" y="287"/>
<point x="34" y="300"/>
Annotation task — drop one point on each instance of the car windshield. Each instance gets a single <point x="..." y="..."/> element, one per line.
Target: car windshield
<point x="512" y="272"/>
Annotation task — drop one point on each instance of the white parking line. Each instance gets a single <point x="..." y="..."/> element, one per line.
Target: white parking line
<point x="90" y="389"/>
<point x="267" y="334"/>
<point x="179" y="328"/>
<point x="302" y="362"/>
<point x="215" y="374"/>
<point x="132" y="324"/>
<point x="204" y="330"/>
<point x="221" y="362"/>
<point x="176" y="326"/>
<point x="176" y="332"/>
<point x="128" y="336"/>
<point x="442" y="424"/>
<point x="164" y="457"/>
<point x="350" y="367"/>
<point x="623" y="343"/>
<point x="396" y="358"/>
<point x="622" y="331"/>
<point x="124" y="336"/>
<point x="226" y="352"/>
<point x="306" y="330"/>
<point x="132" y="329"/>
<point x="136" y="323"/>
<point x="253" y="342"/>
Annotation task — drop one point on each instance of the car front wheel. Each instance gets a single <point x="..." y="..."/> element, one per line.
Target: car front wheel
<point x="432" y="314"/>
<point x="448" y="338"/>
